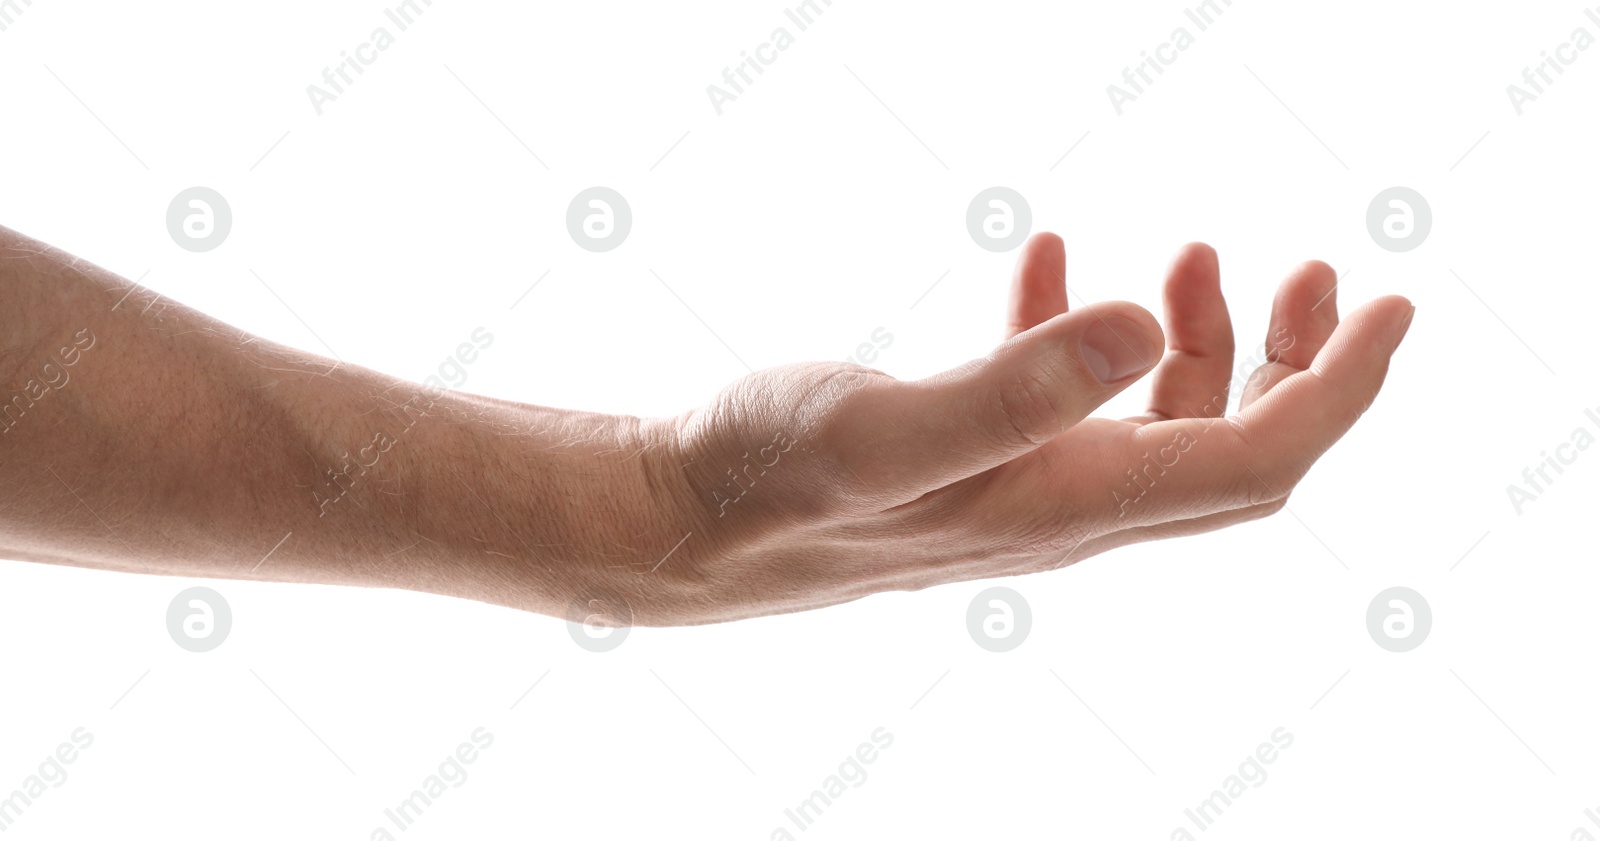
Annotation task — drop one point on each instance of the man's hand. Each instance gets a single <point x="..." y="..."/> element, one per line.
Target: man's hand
<point x="142" y="436"/>
<point x="815" y="484"/>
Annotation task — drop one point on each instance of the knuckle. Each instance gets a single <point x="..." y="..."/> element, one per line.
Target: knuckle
<point x="1266" y="509"/>
<point x="1029" y="406"/>
<point x="1268" y="484"/>
<point x="1240" y="432"/>
<point x="1268" y="476"/>
<point x="805" y="415"/>
<point x="827" y="402"/>
<point x="832" y="405"/>
<point x="1050" y="530"/>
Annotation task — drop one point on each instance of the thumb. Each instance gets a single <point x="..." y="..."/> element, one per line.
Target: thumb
<point x="908" y="438"/>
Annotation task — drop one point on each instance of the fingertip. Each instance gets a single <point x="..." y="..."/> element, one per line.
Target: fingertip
<point x="1395" y="301"/>
<point x="1318" y="266"/>
<point x="1393" y="309"/>
<point x="1194" y="262"/>
<point x="1038" y="284"/>
<point x="1120" y="341"/>
<point x="1306" y="310"/>
<point x="1400" y="311"/>
<point x="1139" y="320"/>
<point x="1310" y="286"/>
<point x="1042" y="246"/>
<point x="1046" y="239"/>
<point x="1195" y="251"/>
<point x="1368" y="337"/>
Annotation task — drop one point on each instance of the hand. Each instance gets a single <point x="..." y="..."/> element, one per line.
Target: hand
<point x="814" y="484"/>
<point x="143" y="436"/>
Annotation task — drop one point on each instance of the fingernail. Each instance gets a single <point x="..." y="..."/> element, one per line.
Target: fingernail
<point x="1115" y="348"/>
<point x="1404" y="326"/>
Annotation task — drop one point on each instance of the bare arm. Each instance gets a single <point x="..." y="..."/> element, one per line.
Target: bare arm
<point x="139" y="435"/>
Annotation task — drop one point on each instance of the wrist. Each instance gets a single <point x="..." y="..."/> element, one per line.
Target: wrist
<point x="466" y="496"/>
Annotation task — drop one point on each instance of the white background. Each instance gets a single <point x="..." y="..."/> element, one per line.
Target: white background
<point x="414" y="209"/>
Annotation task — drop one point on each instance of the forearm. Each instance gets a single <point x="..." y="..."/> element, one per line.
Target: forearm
<point x="143" y="436"/>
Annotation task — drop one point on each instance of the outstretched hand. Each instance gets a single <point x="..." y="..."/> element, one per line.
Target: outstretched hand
<point x="185" y="447"/>
<point x="815" y="484"/>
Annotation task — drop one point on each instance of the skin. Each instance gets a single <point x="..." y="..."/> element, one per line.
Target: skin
<point x="142" y="436"/>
